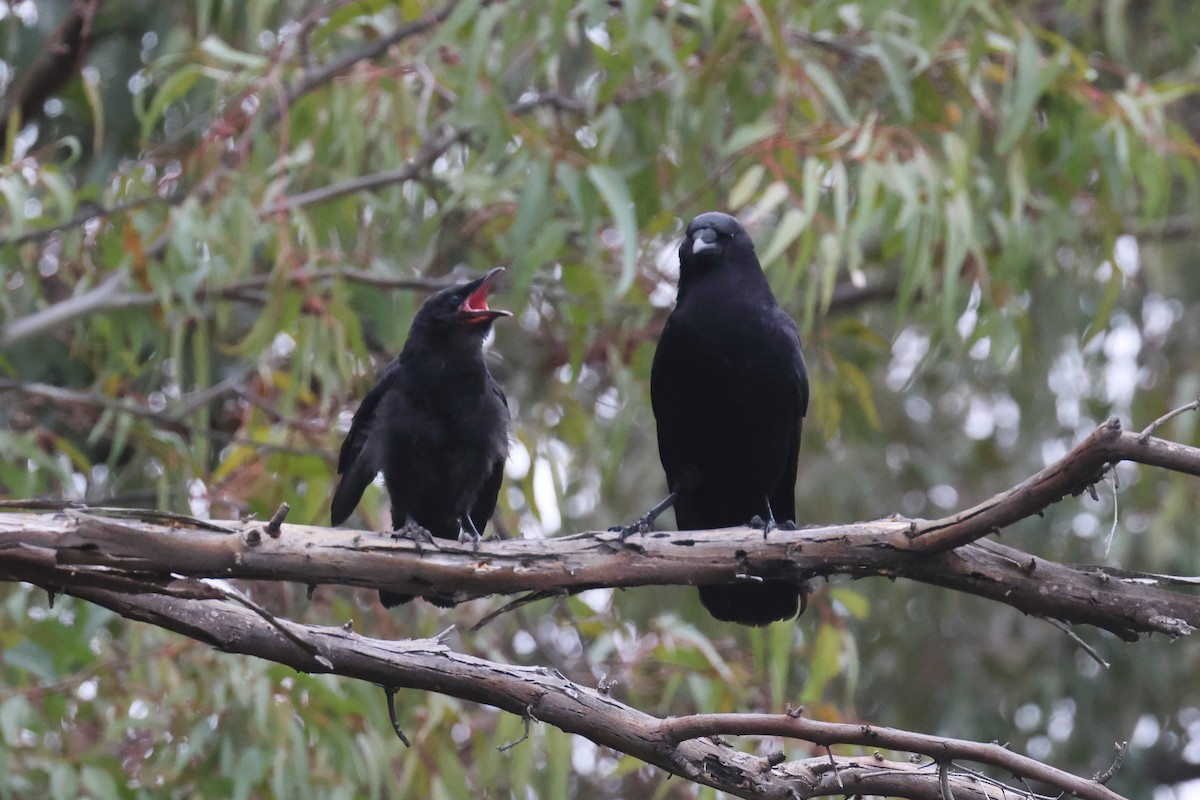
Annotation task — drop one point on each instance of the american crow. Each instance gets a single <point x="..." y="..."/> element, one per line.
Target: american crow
<point x="436" y="425"/>
<point x="729" y="389"/>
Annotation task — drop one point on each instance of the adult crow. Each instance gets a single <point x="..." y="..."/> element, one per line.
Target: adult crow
<point x="729" y="388"/>
<point x="436" y="425"/>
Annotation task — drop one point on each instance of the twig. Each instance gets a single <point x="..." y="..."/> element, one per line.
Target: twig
<point x="826" y="734"/>
<point x="313" y="555"/>
<point x="108" y="297"/>
<point x="89" y="213"/>
<point x="1112" y="532"/>
<point x="1104" y="777"/>
<point x="315" y="78"/>
<point x="513" y="605"/>
<point x="528" y="717"/>
<point x="832" y="763"/>
<point x="174" y="420"/>
<point x="390" y="691"/>
<point x="944" y="780"/>
<point x="1084" y="646"/>
<point x="430" y="153"/>
<point x="104" y="296"/>
<point x="1175" y="412"/>
<point x="273" y="525"/>
<point x="233" y="594"/>
<point x="186" y="520"/>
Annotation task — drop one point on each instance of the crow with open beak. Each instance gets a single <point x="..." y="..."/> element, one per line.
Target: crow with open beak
<point x="436" y="424"/>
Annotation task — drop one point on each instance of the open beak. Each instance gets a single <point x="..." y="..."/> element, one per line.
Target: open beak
<point x="475" y="308"/>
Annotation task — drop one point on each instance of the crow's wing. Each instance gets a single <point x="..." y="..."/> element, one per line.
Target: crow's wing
<point x="359" y="461"/>
<point x="485" y="501"/>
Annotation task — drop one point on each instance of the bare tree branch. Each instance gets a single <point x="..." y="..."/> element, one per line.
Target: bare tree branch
<point x="109" y="296"/>
<point x="160" y="570"/>
<point x="682" y="746"/>
<point x="173" y="419"/>
<point x="1126" y="605"/>
<point x="316" y="77"/>
<point x="1080" y="469"/>
<point x="429" y="153"/>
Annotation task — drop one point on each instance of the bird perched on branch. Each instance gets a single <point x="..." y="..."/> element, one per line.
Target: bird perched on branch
<point x="436" y="424"/>
<point x="729" y="389"/>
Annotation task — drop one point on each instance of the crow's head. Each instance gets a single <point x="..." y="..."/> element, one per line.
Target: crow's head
<point x="461" y="309"/>
<point x="712" y="236"/>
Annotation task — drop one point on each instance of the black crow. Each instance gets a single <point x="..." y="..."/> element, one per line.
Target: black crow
<point x="729" y="389"/>
<point x="436" y="425"/>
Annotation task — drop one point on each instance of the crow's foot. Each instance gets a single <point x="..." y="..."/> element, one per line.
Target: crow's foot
<point x="467" y="532"/>
<point x="416" y="533"/>
<point x="645" y="522"/>
<point x="767" y="525"/>
<point x="644" y="525"/>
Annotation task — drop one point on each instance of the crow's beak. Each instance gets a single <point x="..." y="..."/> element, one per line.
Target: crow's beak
<point x="475" y="307"/>
<point x="704" y="240"/>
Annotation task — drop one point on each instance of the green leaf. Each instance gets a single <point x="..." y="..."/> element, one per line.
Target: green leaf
<point x="99" y="783"/>
<point x="172" y="90"/>
<point x="222" y="52"/>
<point x="746" y="186"/>
<point x="895" y="72"/>
<point x="827" y="85"/>
<point x="790" y="227"/>
<point x="855" y="603"/>
<point x="823" y="664"/>
<point x="745" y="135"/>
<point x="1021" y="95"/>
<point x="14" y="716"/>
<point x="615" y="192"/>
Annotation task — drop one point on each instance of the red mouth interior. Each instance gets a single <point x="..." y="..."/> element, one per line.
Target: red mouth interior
<point x="476" y="301"/>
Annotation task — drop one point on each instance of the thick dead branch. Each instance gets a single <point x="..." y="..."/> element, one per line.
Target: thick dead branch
<point x="73" y="548"/>
<point x="682" y="746"/>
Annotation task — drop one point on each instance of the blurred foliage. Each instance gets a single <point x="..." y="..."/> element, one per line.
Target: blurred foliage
<point x="982" y="215"/>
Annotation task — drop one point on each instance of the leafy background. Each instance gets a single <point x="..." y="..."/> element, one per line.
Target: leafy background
<point x="981" y="214"/>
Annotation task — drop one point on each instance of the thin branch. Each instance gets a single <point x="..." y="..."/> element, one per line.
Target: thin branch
<point x="229" y="592"/>
<point x="1081" y="468"/>
<point x="1079" y="642"/>
<point x="528" y="718"/>
<point x="90" y="212"/>
<point x="107" y="297"/>
<point x="174" y="421"/>
<point x="1149" y="429"/>
<point x="390" y="691"/>
<point x="1118" y="761"/>
<point x="828" y="734"/>
<point x="430" y="153"/>
<point x="317" y="77"/>
<point x="681" y="746"/>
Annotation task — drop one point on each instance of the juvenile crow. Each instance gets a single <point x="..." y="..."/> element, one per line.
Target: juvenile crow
<point x="729" y="388"/>
<point x="436" y="425"/>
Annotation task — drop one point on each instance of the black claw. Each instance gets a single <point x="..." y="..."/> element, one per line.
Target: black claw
<point x="645" y="523"/>
<point x="643" y="526"/>
<point x="469" y="531"/>
<point x="465" y="536"/>
<point x="417" y="534"/>
<point x="767" y="524"/>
